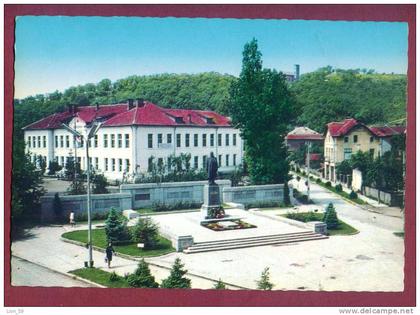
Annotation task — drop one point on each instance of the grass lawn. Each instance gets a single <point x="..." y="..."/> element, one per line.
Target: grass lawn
<point x="399" y="234"/>
<point x="341" y="193"/>
<point x="100" y="277"/>
<point x="99" y="239"/>
<point x="343" y="228"/>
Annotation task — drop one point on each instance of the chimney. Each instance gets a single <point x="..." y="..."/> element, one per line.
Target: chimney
<point x="139" y="102"/>
<point x="297" y="72"/>
<point x="130" y="103"/>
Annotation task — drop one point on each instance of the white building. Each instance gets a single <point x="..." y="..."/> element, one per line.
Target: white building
<point x="131" y="134"/>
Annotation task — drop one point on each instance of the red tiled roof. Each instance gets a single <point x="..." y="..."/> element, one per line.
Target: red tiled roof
<point x="338" y="129"/>
<point x="120" y="115"/>
<point x="305" y="137"/>
<point x="387" y="131"/>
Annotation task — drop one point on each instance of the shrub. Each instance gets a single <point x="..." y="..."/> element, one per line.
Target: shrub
<point x="318" y="181"/>
<point x="264" y="282"/>
<point x="146" y="232"/>
<point x="338" y="188"/>
<point x="53" y="167"/>
<point x="298" y="178"/>
<point x="176" y="278"/>
<point x="113" y="277"/>
<point x="330" y="217"/>
<point x="328" y="184"/>
<point x="142" y="277"/>
<point x="264" y="204"/>
<point x="302" y="216"/>
<point x="99" y="183"/>
<point x="116" y="227"/>
<point x="162" y="207"/>
<point x="303" y="173"/>
<point x="297" y="170"/>
<point x="219" y="285"/>
<point x="353" y="195"/>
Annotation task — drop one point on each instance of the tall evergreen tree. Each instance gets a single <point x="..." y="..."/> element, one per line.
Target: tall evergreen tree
<point x="264" y="282"/>
<point x="142" y="277"/>
<point x="330" y="217"/>
<point x="262" y="107"/>
<point x="116" y="227"/>
<point x="176" y="278"/>
<point x="146" y="232"/>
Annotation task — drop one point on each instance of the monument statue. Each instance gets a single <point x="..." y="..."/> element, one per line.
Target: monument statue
<point x="212" y="167"/>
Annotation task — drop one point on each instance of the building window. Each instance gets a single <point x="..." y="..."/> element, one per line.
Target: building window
<point x="187" y="140"/>
<point x="234" y="139"/>
<point x="227" y="139"/>
<point x="82" y="143"/>
<point x="219" y="140"/>
<point x="196" y="140"/>
<point x="347" y="153"/>
<point x="196" y="162"/>
<point x="150" y="164"/>
<point x="113" y="165"/>
<point x="371" y="139"/>
<point x="205" y="162"/>
<point x="150" y="140"/>
<point x="34" y="142"/>
<point x="97" y="163"/>
<point x="227" y="159"/>
<point x="112" y="141"/>
<point x="105" y="141"/>
<point x="159" y="139"/>
<point x="212" y="140"/>
<point x="355" y="139"/>
<point x="95" y="141"/>
<point x="106" y="164"/>
<point x="178" y="140"/>
<point x="204" y="140"/>
<point x="127" y="165"/>
<point x="234" y="160"/>
<point x="120" y="165"/>
<point x="39" y="141"/>
<point x="220" y="160"/>
<point x="67" y="141"/>
<point x="346" y="139"/>
<point x="44" y="140"/>
<point x="119" y="140"/>
<point x="169" y="138"/>
<point x="29" y="141"/>
<point x="127" y="140"/>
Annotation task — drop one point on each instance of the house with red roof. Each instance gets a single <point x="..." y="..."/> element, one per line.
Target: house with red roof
<point x="133" y="135"/>
<point x="344" y="138"/>
<point x="302" y="135"/>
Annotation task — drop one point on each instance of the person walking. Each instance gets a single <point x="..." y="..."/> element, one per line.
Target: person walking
<point x="72" y="222"/>
<point x="109" y="251"/>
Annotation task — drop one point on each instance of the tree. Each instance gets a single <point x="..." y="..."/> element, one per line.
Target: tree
<point x="264" y="282"/>
<point x="286" y="196"/>
<point x="57" y="206"/>
<point x="219" y="285"/>
<point x="77" y="187"/>
<point x="116" y="227"/>
<point x="330" y="217"/>
<point x="176" y="278"/>
<point x="100" y="183"/>
<point x="42" y="164"/>
<point x="142" y="277"/>
<point x="26" y="186"/>
<point x="146" y="232"/>
<point x="262" y="108"/>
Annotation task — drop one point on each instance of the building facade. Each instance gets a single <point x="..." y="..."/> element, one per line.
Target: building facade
<point x="134" y="135"/>
<point x="342" y="139"/>
<point x="301" y="136"/>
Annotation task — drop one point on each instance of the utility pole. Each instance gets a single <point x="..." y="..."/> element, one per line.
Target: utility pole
<point x="88" y="135"/>
<point x="308" y="159"/>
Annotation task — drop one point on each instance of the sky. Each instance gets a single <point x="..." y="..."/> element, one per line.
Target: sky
<point x="56" y="52"/>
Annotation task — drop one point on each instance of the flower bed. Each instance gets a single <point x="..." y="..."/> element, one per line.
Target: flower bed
<point x="228" y="225"/>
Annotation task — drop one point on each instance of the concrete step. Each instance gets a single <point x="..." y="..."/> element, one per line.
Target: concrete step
<point x="276" y="240"/>
<point x="261" y="237"/>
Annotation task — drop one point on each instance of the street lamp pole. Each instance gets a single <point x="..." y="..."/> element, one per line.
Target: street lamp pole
<point x="308" y="159"/>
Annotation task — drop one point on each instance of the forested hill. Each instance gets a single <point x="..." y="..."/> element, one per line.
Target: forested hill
<point x="323" y="96"/>
<point x="331" y="95"/>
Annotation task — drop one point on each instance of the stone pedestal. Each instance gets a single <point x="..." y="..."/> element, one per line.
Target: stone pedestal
<point x="211" y="201"/>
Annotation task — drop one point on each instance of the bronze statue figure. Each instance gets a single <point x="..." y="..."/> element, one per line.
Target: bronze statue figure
<point x="212" y="167"/>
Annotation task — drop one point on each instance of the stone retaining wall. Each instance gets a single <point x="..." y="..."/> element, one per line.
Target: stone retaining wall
<point x="253" y="194"/>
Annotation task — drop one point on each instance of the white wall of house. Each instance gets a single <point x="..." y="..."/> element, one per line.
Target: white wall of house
<point x="116" y="150"/>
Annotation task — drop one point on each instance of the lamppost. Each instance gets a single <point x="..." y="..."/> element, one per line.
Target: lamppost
<point x="89" y="133"/>
<point x="308" y="161"/>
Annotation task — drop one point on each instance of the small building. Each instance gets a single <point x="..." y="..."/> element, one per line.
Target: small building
<point x="133" y="135"/>
<point x="302" y="135"/>
<point x="344" y="138"/>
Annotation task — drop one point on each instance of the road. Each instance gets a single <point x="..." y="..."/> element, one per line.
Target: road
<point x="25" y="273"/>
